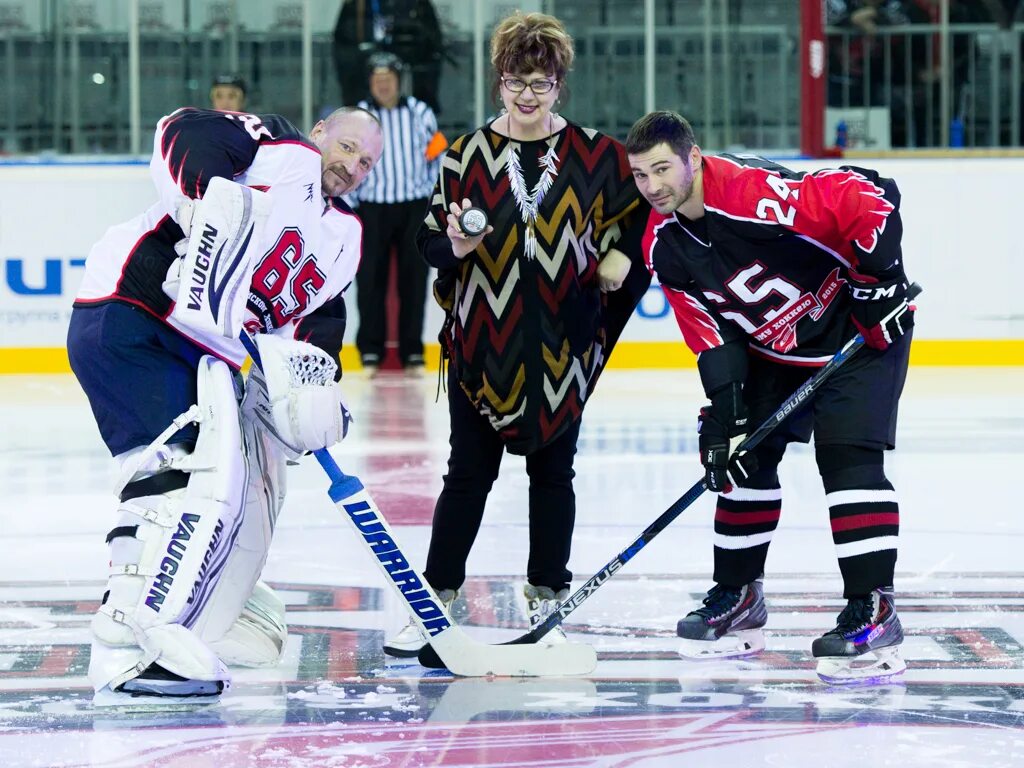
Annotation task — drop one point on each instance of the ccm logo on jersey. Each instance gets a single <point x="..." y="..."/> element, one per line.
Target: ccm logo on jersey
<point x="876" y="293"/>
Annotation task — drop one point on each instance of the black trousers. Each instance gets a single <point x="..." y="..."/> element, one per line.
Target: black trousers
<point x="384" y="226"/>
<point x="472" y="469"/>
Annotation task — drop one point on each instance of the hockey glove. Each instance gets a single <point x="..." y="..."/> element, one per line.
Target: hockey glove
<point x="295" y="397"/>
<point x="721" y="428"/>
<point x="881" y="311"/>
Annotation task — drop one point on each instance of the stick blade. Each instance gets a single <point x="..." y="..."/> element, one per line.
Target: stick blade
<point x="428" y="656"/>
<point x="454" y="650"/>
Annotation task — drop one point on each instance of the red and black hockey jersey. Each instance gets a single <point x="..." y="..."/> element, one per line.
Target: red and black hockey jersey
<point x="311" y="246"/>
<point x="767" y="264"/>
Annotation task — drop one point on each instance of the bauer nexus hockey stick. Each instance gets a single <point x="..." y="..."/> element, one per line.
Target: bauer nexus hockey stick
<point x="428" y="656"/>
<point x="454" y="649"/>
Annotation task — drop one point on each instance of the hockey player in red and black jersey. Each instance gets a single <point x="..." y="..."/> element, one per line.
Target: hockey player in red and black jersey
<point x="768" y="272"/>
<point x="248" y="235"/>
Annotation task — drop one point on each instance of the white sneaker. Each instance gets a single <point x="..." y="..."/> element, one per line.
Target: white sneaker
<point x="540" y="603"/>
<point x="410" y="639"/>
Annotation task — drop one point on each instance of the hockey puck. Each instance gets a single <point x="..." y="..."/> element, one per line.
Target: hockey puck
<point x="473" y="222"/>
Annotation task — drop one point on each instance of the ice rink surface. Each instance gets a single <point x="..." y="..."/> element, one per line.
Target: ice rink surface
<point x="336" y="701"/>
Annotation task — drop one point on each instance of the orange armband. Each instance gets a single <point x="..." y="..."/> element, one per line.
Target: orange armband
<point x="438" y="144"/>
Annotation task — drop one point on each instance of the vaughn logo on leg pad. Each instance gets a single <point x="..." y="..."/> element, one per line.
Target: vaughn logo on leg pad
<point x="169" y="565"/>
<point x="207" y="558"/>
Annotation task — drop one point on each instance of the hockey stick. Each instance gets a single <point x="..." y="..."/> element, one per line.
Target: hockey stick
<point x="429" y="658"/>
<point x="455" y="650"/>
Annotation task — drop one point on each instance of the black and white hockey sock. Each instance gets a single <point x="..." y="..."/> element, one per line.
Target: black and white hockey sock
<point x="865" y="517"/>
<point x="745" y="520"/>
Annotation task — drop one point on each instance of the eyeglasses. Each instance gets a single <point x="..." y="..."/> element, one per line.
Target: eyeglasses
<point x="539" y="87"/>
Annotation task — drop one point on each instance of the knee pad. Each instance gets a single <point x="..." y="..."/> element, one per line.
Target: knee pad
<point x="849" y="466"/>
<point x="257" y="637"/>
<point x="174" y="532"/>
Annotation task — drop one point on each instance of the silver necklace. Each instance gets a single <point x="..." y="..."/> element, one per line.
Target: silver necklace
<point x="529" y="202"/>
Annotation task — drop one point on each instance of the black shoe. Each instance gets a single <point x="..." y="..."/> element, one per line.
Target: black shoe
<point x="413" y="365"/>
<point x="864" y="647"/>
<point x="867" y="623"/>
<point x="370" y="362"/>
<point x="726" y="610"/>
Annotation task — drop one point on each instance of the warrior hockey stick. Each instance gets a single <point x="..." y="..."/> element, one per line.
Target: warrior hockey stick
<point x="455" y="650"/>
<point x="428" y="656"/>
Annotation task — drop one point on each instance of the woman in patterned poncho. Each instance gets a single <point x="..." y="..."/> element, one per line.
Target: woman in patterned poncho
<point x="528" y="329"/>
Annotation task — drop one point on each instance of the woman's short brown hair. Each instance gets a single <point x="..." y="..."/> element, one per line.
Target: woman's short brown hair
<point x="531" y="42"/>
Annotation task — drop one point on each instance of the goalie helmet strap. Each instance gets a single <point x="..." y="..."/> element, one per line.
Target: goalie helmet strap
<point x="155" y="484"/>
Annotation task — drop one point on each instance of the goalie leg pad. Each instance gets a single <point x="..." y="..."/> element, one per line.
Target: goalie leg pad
<point x="169" y="547"/>
<point x="244" y="620"/>
<point x="126" y="642"/>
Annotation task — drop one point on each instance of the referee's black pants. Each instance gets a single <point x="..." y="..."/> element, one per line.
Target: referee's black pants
<point x="386" y="225"/>
<point x="472" y="469"/>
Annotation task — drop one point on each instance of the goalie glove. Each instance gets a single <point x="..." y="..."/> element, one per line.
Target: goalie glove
<point x="880" y="311"/>
<point x="721" y="427"/>
<point x="295" y="397"/>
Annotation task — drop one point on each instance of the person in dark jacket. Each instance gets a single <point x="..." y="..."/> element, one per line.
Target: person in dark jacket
<point x="407" y="28"/>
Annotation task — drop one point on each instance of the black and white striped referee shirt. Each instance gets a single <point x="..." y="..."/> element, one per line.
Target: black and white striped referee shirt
<point x="403" y="173"/>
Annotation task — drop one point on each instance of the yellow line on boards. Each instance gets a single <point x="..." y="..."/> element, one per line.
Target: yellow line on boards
<point x="34" y="360"/>
<point x="627" y="355"/>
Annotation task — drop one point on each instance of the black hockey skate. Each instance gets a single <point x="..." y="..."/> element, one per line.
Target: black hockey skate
<point x="729" y="626"/>
<point x="867" y="625"/>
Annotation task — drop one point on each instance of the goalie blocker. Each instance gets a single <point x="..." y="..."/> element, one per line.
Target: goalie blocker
<point x="211" y="286"/>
